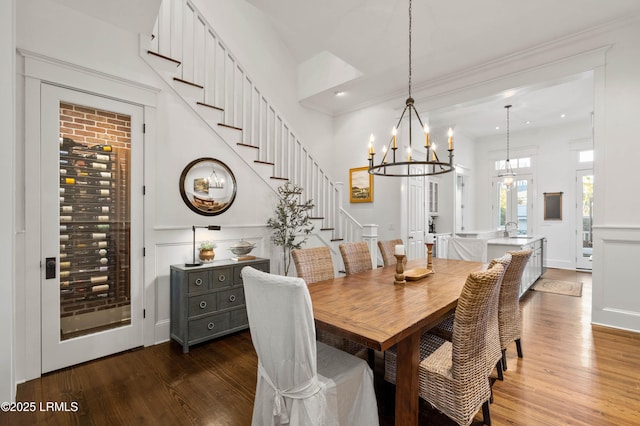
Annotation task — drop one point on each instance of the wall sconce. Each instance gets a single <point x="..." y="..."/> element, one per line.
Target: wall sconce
<point x="193" y="249"/>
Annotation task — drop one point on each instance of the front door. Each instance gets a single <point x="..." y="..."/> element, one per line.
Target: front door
<point x="90" y="165"/>
<point x="584" y="206"/>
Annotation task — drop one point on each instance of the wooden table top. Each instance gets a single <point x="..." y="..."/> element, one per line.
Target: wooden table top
<point x="369" y="309"/>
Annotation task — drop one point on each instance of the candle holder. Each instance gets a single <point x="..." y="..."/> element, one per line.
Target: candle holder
<point x="399" y="277"/>
<point x="429" y="256"/>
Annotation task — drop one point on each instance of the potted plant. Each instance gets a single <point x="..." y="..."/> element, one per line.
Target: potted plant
<point x="206" y="251"/>
<point x="291" y="223"/>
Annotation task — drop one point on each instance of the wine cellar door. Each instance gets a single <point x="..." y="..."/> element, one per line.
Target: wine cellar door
<point x="91" y="226"/>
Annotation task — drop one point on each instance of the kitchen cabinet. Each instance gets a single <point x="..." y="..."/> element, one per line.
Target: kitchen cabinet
<point x="207" y="301"/>
<point x="496" y="247"/>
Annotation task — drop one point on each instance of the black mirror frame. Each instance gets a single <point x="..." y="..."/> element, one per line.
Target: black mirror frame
<point x="190" y="203"/>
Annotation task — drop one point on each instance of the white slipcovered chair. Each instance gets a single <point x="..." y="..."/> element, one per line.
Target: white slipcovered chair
<point x="301" y="381"/>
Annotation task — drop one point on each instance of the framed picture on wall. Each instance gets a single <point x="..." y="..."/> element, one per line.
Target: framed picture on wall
<point x="553" y="206"/>
<point x="360" y="185"/>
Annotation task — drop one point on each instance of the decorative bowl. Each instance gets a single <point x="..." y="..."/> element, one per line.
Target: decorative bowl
<point x="241" y="248"/>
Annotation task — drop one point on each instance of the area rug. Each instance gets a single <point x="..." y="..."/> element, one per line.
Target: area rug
<point x="568" y="288"/>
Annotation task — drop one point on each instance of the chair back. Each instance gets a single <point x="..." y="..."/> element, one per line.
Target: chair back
<point x="313" y="264"/>
<point x="388" y="249"/>
<point x="469" y="358"/>
<point x="283" y="334"/>
<point x="356" y="257"/>
<point x="494" y="350"/>
<point x="509" y="304"/>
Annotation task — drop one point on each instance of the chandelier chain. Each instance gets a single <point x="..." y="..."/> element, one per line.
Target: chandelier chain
<point x="508" y="108"/>
<point x="410" y="48"/>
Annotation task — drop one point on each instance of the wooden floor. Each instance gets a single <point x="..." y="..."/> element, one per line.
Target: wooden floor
<point x="572" y="373"/>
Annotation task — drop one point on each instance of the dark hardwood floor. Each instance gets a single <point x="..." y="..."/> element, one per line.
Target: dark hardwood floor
<point x="572" y="373"/>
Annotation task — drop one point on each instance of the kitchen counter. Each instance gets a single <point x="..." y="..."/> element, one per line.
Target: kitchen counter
<point x="515" y="241"/>
<point x="497" y="247"/>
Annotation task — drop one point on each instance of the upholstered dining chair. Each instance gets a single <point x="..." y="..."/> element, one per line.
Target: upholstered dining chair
<point x="452" y="376"/>
<point x="494" y="351"/>
<point x="316" y="264"/>
<point x="388" y="249"/>
<point x="301" y="381"/>
<point x="356" y="257"/>
<point x="509" y="323"/>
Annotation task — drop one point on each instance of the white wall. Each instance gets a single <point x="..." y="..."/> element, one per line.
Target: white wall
<point x="174" y="138"/>
<point x="7" y="218"/>
<point x="554" y="170"/>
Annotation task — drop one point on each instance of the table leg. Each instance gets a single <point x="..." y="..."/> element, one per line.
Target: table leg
<point x="407" y="380"/>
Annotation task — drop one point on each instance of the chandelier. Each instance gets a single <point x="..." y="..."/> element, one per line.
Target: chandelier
<point x="406" y="165"/>
<point x="508" y="174"/>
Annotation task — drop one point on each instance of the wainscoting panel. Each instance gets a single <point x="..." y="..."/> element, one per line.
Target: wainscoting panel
<point x="616" y="277"/>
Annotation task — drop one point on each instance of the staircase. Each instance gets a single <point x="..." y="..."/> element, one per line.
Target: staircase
<point x="192" y="59"/>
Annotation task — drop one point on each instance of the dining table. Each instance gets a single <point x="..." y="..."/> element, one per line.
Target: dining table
<point x="370" y="309"/>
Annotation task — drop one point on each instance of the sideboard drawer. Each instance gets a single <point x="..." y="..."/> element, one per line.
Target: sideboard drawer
<point x="221" y="278"/>
<point x="208" y="326"/>
<point x="198" y="281"/>
<point x="231" y="298"/>
<point x="239" y="318"/>
<point x="203" y="304"/>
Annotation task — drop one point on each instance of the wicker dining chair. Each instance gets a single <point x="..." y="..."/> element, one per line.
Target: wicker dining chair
<point x="356" y="257"/>
<point x="313" y="265"/>
<point x="452" y="376"/>
<point x="509" y="323"/>
<point x="388" y="249"/>
<point x="444" y="329"/>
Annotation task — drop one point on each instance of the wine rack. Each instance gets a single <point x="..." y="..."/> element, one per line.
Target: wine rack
<point x="94" y="228"/>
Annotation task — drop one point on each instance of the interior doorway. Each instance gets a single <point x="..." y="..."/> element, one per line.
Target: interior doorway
<point x="584" y="219"/>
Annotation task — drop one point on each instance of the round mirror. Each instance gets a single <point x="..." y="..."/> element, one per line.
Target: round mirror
<point x="207" y="186"/>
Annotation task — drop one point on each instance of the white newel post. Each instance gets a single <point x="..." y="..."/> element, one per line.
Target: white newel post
<point x="338" y="203"/>
<point x="370" y="235"/>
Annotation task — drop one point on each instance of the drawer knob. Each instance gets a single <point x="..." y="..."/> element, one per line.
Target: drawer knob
<point x="232" y="298"/>
<point x="211" y="325"/>
<point x="198" y="281"/>
<point x="203" y="304"/>
<point x="221" y="278"/>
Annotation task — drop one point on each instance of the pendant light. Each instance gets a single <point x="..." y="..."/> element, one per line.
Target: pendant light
<point x="508" y="174"/>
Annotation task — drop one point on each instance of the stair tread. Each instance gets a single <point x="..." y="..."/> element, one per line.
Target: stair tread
<point x="327" y="229"/>
<point x="337" y="239"/>
<point x="247" y="145"/>
<point x="264" y="162"/>
<point x="229" y="126"/>
<point x="209" y="106"/>
<point x="188" y="82"/>
<point x="316" y="217"/>
<point x="279" y="178"/>
<point x="160" y="55"/>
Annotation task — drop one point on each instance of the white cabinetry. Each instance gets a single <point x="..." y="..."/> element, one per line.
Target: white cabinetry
<point x="498" y="246"/>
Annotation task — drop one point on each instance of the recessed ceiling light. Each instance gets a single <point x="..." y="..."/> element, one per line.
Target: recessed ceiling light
<point x="563" y="115"/>
<point x="497" y="127"/>
<point x="527" y="122"/>
<point x="338" y="93"/>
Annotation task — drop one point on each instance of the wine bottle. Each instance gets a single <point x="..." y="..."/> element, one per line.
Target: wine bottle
<point x="85" y="209"/>
<point x="72" y="245"/>
<point x="104" y="148"/>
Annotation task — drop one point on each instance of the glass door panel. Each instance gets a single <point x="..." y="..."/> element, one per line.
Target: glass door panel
<point x="585" y="219"/>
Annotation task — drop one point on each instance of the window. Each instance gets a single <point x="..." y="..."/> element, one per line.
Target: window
<point x="516" y="163"/>
<point x="585" y="156"/>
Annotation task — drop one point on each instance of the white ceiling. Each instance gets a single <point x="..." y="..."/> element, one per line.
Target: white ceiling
<point x="447" y="37"/>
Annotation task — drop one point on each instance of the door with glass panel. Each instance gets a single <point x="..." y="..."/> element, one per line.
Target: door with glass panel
<point x="91" y="226"/>
<point x="584" y="190"/>
<point x="416" y="220"/>
<point x="512" y="206"/>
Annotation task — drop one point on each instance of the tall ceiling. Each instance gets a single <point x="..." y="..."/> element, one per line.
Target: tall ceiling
<point x="447" y="37"/>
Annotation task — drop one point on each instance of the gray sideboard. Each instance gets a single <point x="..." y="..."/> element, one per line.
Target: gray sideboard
<point x="207" y="301"/>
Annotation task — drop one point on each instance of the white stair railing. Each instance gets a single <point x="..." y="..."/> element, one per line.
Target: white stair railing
<point x="182" y="34"/>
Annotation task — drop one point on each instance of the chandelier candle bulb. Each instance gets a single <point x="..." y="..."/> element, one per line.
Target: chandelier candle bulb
<point x="394" y="132"/>
<point x="426" y="135"/>
<point x="450" y="138"/>
<point x="399" y="250"/>
<point x="409" y="154"/>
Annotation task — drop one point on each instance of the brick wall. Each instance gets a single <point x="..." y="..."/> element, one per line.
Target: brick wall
<point x="94" y="127"/>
